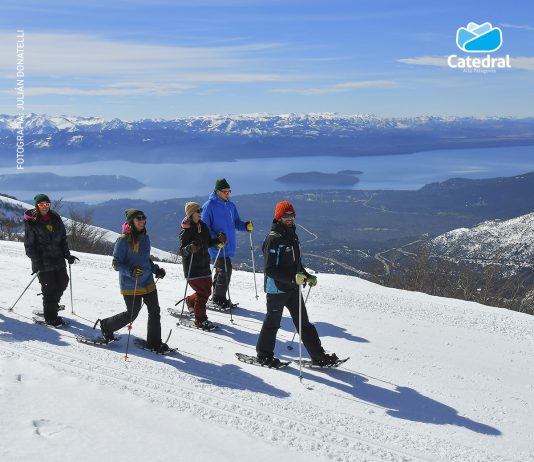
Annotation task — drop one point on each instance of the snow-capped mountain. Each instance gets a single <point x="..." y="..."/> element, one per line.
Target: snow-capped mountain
<point x="252" y="125"/>
<point x="428" y="379"/>
<point x="230" y="137"/>
<point x="509" y="243"/>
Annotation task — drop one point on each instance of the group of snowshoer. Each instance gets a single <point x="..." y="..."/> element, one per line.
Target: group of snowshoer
<point x="208" y="232"/>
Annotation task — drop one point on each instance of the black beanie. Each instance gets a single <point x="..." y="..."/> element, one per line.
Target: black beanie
<point x="40" y="198"/>
<point x="221" y="184"/>
<point x="132" y="213"/>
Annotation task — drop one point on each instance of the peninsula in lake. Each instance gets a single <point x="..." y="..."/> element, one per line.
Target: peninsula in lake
<point x="320" y="178"/>
<point x="52" y="182"/>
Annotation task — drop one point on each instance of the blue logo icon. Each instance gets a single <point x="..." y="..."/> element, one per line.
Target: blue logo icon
<point x="479" y="38"/>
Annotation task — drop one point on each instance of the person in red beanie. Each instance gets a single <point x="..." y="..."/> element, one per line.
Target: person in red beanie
<point x="283" y="273"/>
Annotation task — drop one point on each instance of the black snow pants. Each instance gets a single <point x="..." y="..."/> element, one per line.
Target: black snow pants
<point x="271" y="324"/>
<point x="118" y="321"/>
<point x="221" y="278"/>
<point x="53" y="284"/>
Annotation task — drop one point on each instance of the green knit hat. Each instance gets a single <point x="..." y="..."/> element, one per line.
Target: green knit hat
<point x="221" y="184"/>
<point x="132" y="213"/>
<point x="41" y="198"/>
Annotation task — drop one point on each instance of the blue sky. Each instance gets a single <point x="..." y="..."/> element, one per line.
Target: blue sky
<point x="146" y="59"/>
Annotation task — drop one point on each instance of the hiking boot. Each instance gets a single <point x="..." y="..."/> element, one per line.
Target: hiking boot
<point x="106" y="334"/>
<point x="161" y="348"/>
<point x="325" y="360"/>
<point x="221" y="302"/>
<point x="205" y="325"/>
<point x="56" y="322"/>
<point x="269" y="361"/>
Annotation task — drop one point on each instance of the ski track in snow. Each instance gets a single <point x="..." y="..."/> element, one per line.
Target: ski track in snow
<point x="316" y="419"/>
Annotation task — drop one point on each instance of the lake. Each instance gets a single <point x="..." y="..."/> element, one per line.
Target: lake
<point x="410" y="171"/>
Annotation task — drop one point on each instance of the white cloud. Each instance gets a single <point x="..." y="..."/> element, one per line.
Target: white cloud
<point x="524" y="62"/>
<point x="515" y="26"/>
<point x="74" y="64"/>
<point x="440" y="61"/>
<point x="338" y="88"/>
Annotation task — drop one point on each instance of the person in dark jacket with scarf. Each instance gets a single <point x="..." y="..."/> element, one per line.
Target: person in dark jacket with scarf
<point x="195" y="240"/>
<point x="221" y="216"/>
<point x="45" y="241"/>
<point x="131" y="258"/>
<point x="283" y="273"/>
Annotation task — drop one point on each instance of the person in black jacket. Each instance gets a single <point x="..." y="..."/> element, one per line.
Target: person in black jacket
<point x="195" y="240"/>
<point x="283" y="273"/>
<point x="45" y="241"/>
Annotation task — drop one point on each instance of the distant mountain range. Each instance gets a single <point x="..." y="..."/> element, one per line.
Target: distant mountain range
<point x="227" y="137"/>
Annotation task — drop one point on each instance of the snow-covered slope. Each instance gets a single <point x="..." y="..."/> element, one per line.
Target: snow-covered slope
<point x="14" y="209"/>
<point x="509" y="242"/>
<point x="429" y="379"/>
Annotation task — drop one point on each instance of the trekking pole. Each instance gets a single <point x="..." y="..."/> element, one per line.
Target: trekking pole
<point x="23" y="292"/>
<point x="70" y="284"/>
<point x="290" y="347"/>
<point x="253" y="265"/>
<point x="215" y="261"/>
<point x="186" y="284"/>
<point x="131" y="319"/>
<point x="228" y="286"/>
<point x="300" y="333"/>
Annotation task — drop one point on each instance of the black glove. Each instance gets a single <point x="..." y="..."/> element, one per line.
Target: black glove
<point x="72" y="259"/>
<point x="193" y="247"/>
<point x="160" y="273"/>
<point x="136" y="271"/>
<point x="222" y="237"/>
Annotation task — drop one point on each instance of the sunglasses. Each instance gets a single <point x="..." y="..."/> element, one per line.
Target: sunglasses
<point x="140" y="217"/>
<point x="226" y="191"/>
<point x="44" y="204"/>
<point x="288" y="215"/>
<point x="199" y="210"/>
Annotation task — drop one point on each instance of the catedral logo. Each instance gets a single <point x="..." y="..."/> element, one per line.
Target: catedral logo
<point x="479" y="38"/>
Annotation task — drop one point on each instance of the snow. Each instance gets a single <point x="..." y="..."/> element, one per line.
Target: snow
<point x="493" y="240"/>
<point x="429" y="378"/>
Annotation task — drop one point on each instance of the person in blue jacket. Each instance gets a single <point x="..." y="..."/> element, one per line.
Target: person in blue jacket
<point x="131" y="258"/>
<point x="221" y="216"/>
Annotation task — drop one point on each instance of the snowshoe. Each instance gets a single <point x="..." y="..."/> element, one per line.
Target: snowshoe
<point x="98" y="340"/>
<point x="220" y="304"/>
<point x="162" y="349"/>
<point x="271" y="362"/>
<point x="203" y="325"/>
<point x="177" y="313"/>
<point x="57" y="323"/>
<point x="325" y="360"/>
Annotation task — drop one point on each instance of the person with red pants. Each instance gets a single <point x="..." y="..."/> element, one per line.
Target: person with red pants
<point x="45" y="242"/>
<point x="195" y="240"/>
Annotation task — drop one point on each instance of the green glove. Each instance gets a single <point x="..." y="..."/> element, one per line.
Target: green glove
<point x="311" y="280"/>
<point x="136" y="271"/>
<point x="300" y="278"/>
